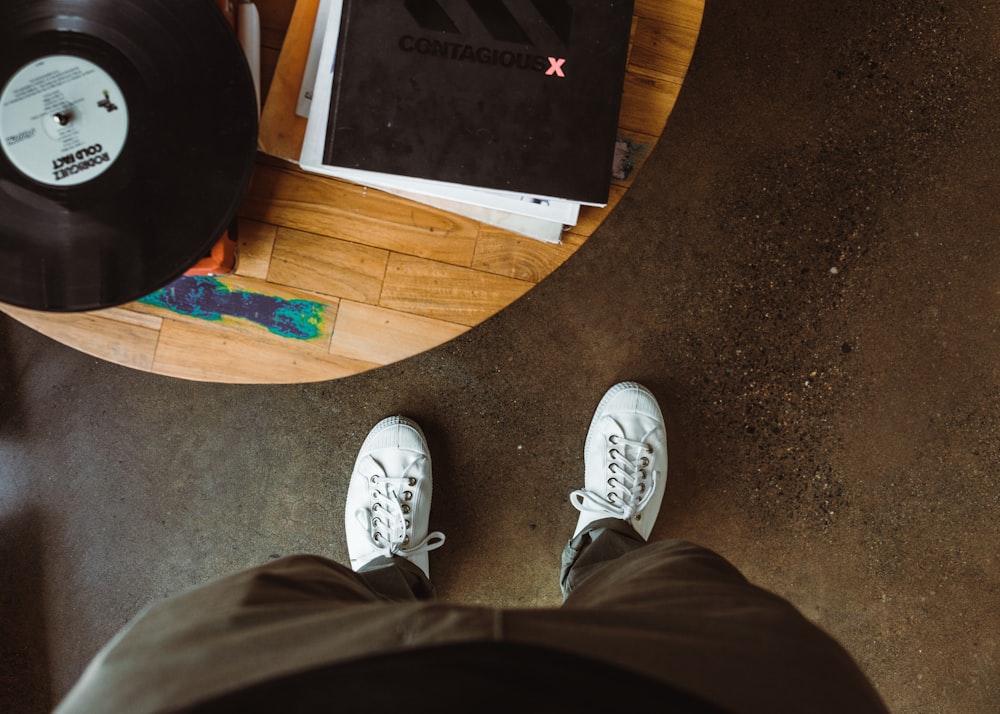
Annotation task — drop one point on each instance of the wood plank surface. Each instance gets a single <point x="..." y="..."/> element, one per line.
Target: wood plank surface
<point x="334" y="279"/>
<point x="381" y="335"/>
<point x="447" y="292"/>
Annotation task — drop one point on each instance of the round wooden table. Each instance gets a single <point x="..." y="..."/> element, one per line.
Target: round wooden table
<point x="334" y="279"/>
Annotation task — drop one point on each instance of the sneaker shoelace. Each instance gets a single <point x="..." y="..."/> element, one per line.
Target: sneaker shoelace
<point x="630" y="483"/>
<point x="388" y="521"/>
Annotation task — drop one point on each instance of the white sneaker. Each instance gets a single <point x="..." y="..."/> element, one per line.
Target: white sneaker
<point x="389" y="497"/>
<point x="625" y="460"/>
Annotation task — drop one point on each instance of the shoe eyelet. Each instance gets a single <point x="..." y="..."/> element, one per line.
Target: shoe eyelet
<point x="413" y="481"/>
<point x="406" y="509"/>
<point x="374" y="478"/>
<point x="407" y="522"/>
<point x="612" y="481"/>
<point x="613" y="453"/>
<point x="376" y="537"/>
<point x="406" y="541"/>
<point x="374" y="494"/>
<point x="408" y="495"/>
<point x="645" y="462"/>
<point x="613" y="439"/>
<point x="611" y="497"/>
<point x="613" y="468"/>
<point x="638" y="516"/>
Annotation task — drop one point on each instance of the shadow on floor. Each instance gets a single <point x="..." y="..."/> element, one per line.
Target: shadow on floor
<point x="11" y="407"/>
<point x="24" y="657"/>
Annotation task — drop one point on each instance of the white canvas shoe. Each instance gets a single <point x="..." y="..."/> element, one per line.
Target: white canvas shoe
<point x="389" y="497"/>
<point x="625" y="460"/>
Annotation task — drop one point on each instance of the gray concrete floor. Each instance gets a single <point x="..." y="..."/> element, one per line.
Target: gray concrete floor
<point x="806" y="274"/>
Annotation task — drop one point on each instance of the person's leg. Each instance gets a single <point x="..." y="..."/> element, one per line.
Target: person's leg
<point x="673" y="610"/>
<point x="294" y="613"/>
<point x="603" y="542"/>
<point x="682" y="614"/>
<point x="625" y="476"/>
<point x="241" y="628"/>
<point x="387" y="515"/>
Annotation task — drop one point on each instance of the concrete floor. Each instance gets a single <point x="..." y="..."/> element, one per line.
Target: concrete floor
<point x="806" y="274"/>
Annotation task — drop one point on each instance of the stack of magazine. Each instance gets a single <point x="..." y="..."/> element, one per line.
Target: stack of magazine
<point x="505" y="111"/>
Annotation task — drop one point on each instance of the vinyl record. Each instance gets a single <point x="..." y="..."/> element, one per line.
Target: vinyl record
<point x="128" y="132"/>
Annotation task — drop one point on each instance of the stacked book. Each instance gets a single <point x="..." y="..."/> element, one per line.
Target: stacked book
<point x="505" y="111"/>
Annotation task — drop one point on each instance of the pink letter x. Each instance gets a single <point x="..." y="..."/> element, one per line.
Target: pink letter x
<point x="555" y="67"/>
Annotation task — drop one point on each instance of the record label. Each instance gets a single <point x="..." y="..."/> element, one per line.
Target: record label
<point x="63" y="120"/>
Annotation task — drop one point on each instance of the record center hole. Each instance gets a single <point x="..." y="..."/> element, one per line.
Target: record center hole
<point x="62" y="118"/>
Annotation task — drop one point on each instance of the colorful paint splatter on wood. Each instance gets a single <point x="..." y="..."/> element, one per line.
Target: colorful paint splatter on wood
<point x="208" y="298"/>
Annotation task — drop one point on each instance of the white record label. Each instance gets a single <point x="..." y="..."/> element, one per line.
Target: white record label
<point x="63" y="120"/>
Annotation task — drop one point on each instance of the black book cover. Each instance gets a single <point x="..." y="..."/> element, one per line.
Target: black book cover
<point x="516" y="95"/>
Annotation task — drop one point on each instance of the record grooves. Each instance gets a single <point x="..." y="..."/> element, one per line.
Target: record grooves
<point x="128" y="132"/>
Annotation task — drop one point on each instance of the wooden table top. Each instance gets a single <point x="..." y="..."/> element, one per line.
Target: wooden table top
<point x="334" y="279"/>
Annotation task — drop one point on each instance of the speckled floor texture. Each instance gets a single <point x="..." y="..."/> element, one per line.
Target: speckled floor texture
<point x="806" y="274"/>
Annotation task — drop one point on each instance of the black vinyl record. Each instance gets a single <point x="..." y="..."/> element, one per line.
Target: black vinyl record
<point x="128" y="132"/>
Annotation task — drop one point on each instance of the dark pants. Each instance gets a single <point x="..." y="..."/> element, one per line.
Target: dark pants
<point x="671" y="610"/>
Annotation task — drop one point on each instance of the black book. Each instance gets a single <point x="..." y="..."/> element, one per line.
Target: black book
<point x="511" y="95"/>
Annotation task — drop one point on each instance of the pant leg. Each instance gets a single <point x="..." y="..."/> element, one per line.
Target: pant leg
<point x="670" y="610"/>
<point x="397" y="578"/>
<point x="289" y="615"/>
<point x="603" y="542"/>
<point x="683" y="614"/>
